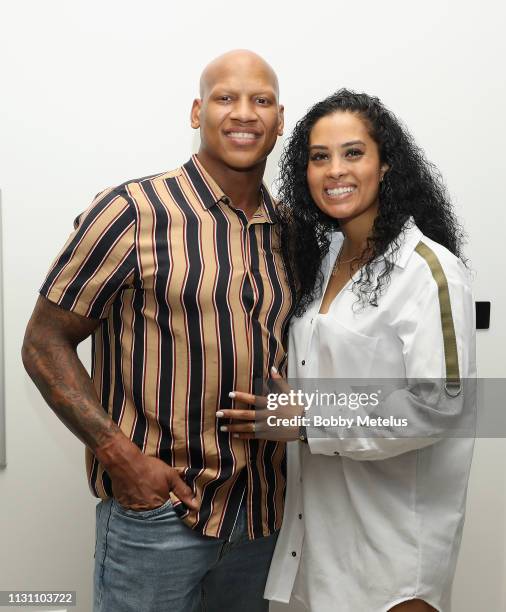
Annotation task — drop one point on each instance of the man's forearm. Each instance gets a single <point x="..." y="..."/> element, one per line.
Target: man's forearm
<point x="66" y="386"/>
<point x="50" y="358"/>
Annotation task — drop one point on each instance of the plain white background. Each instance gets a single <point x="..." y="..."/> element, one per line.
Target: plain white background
<point x="94" y="93"/>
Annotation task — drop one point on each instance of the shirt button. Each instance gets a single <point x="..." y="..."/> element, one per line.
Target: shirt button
<point x="300" y="516"/>
<point x="294" y="554"/>
<point x="303" y="362"/>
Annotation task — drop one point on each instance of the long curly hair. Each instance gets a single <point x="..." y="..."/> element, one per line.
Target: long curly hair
<point x="411" y="187"/>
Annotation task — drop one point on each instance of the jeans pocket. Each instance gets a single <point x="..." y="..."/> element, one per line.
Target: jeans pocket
<point x="141" y="514"/>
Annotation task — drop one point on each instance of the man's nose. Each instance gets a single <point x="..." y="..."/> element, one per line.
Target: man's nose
<point x="243" y="111"/>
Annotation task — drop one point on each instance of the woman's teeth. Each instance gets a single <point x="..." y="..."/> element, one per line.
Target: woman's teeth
<point x="339" y="191"/>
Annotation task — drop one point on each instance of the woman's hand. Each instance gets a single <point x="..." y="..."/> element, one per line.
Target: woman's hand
<point x="276" y="417"/>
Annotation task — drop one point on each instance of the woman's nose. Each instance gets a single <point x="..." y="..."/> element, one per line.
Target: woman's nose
<point x="335" y="169"/>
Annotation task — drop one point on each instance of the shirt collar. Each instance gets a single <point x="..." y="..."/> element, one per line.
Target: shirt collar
<point x="210" y="193"/>
<point x="407" y="240"/>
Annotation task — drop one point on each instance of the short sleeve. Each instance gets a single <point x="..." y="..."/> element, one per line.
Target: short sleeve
<point x="98" y="259"/>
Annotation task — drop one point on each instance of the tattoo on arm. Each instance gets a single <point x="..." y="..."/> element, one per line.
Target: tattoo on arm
<point x="50" y="358"/>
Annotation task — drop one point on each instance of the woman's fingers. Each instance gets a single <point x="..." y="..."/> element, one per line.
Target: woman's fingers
<point x="242" y="415"/>
<point x="249" y="427"/>
<point x="252" y="421"/>
<point x="279" y="381"/>
<point x="246" y="431"/>
<point x="249" y="398"/>
<point x="245" y="436"/>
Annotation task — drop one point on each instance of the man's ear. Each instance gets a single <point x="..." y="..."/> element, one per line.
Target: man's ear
<point x="281" y="120"/>
<point x="195" y="113"/>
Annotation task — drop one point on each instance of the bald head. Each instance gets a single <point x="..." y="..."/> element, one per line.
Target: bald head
<point x="239" y="61"/>
<point x="238" y="113"/>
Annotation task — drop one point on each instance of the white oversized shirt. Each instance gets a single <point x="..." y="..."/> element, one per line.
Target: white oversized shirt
<point x="371" y="522"/>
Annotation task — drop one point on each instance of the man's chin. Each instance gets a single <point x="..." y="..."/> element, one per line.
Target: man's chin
<point x="245" y="160"/>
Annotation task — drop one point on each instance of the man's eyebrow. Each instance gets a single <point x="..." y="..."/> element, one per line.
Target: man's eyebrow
<point x="220" y="89"/>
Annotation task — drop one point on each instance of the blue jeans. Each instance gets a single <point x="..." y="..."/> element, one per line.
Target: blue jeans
<point x="150" y="561"/>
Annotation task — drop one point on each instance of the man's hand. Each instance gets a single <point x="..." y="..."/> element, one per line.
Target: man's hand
<point x="140" y="482"/>
<point x="151" y="490"/>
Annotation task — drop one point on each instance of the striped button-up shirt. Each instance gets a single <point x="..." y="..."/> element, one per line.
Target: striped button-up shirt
<point x="194" y="302"/>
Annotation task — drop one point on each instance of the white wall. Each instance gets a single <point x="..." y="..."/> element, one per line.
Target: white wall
<point x="94" y="93"/>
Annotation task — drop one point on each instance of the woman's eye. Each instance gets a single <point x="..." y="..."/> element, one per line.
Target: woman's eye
<point x="353" y="153"/>
<point x="318" y="156"/>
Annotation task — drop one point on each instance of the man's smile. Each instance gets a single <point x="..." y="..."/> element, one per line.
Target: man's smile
<point x="243" y="136"/>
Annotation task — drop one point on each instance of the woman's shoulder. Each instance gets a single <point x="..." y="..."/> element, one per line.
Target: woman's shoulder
<point x="438" y="261"/>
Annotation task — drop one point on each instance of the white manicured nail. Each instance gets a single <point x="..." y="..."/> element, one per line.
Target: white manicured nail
<point x="220" y="413"/>
<point x="231" y="394"/>
<point x="223" y="428"/>
<point x="274" y="370"/>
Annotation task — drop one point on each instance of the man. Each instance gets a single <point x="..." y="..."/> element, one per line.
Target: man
<point x="179" y="279"/>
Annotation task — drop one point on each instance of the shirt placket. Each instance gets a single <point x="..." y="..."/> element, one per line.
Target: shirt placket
<point x="249" y="304"/>
<point x="247" y="228"/>
<point x="313" y="312"/>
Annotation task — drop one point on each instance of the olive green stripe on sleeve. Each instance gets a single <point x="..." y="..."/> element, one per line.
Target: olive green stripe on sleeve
<point x="449" y="339"/>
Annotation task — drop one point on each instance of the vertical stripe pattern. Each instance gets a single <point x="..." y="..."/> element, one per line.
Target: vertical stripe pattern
<point x="194" y="302"/>
<point x="453" y="383"/>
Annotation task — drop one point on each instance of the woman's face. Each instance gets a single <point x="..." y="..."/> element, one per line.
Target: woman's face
<point x="344" y="168"/>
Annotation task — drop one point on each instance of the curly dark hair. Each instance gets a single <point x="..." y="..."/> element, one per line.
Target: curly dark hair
<point x="412" y="187"/>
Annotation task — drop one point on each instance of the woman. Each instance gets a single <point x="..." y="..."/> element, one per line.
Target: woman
<point x="372" y="523"/>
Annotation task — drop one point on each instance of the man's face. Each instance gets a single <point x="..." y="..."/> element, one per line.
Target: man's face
<point x="239" y="115"/>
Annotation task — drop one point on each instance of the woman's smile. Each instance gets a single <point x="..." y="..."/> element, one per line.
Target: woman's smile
<point x="340" y="192"/>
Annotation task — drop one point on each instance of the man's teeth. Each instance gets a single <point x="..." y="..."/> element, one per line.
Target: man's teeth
<point x="339" y="191"/>
<point x="247" y="135"/>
